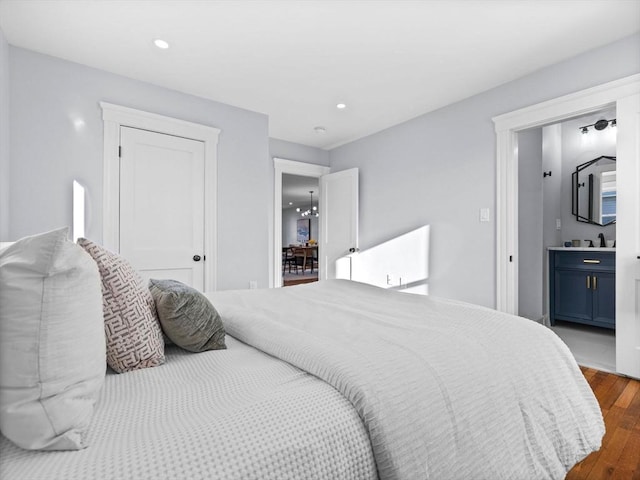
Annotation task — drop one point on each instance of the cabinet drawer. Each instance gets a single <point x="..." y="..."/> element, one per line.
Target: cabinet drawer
<point x="585" y="260"/>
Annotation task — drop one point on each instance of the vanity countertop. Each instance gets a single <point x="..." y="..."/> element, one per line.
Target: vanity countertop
<point x="584" y="249"/>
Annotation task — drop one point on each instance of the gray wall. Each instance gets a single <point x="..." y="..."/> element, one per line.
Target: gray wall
<point x="47" y="153"/>
<point x="553" y="200"/>
<point x="4" y="138"/>
<point x="295" y="151"/>
<point x="439" y="169"/>
<point x="530" y="211"/>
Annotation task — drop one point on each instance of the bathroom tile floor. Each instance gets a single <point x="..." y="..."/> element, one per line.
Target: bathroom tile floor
<point x="591" y="346"/>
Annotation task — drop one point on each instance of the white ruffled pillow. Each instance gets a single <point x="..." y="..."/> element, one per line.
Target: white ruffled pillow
<point x="52" y="342"/>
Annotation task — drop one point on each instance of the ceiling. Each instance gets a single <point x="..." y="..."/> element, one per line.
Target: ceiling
<point x="388" y="61"/>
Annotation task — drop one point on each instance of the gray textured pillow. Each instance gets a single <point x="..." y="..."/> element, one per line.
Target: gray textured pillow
<point x="187" y="317"/>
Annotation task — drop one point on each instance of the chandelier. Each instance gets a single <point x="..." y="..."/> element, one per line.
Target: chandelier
<point x="311" y="210"/>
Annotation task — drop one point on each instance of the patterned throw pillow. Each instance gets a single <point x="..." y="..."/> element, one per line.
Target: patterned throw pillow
<point x="134" y="336"/>
<point x="187" y="316"/>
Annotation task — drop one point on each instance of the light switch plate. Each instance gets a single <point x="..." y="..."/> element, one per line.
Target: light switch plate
<point x="484" y="214"/>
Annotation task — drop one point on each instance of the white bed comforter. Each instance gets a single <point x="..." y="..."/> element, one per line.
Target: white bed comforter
<point x="234" y="414"/>
<point x="446" y="390"/>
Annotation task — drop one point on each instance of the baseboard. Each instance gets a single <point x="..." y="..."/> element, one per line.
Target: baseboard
<point x="544" y="320"/>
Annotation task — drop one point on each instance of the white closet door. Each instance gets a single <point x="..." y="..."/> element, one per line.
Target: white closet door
<point x="162" y="205"/>
<point x="338" y="223"/>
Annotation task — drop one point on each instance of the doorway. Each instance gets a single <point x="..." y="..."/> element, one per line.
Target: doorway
<point x="624" y="94"/>
<point x="300" y="229"/>
<point x="116" y="117"/>
<point x="547" y="160"/>
<point x="287" y="167"/>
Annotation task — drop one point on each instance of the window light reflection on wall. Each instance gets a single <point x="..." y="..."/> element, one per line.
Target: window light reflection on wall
<point x="78" y="210"/>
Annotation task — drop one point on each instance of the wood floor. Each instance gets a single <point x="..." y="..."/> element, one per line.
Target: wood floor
<point x="298" y="281"/>
<point x="619" y="456"/>
<point x="298" y="278"/>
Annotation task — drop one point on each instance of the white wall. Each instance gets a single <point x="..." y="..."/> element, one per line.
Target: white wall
<point x="289" y="218"/>
<point x="48" y="152"/>
<point x="4" y="138"/>
<point x="530" y="231"/>
<point x="439" y="170"/>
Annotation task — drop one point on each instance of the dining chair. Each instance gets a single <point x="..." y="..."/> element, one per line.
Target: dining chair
<point x="300" y="255"/>
<point x="312" y="258"/>
<point x="288" y="259"/>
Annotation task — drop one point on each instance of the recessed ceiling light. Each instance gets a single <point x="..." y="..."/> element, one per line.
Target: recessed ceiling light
<point x="158" y="42"/>
<point x="341" y="106"/>
<point x="320" y="130"/>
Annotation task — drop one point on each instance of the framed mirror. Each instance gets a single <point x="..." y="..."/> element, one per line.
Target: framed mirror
<point x="594" y="191"/>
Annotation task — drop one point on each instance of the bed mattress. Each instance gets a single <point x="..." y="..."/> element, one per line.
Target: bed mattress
<point x="227" y="414"/>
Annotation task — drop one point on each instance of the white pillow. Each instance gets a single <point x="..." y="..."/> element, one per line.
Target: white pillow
<point x="52" y="344"/>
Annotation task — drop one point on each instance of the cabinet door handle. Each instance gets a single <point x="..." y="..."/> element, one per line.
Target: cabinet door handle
<point x="589" y="260"/>
<point x="588" y="281"/>
<point x="595" y="282"/>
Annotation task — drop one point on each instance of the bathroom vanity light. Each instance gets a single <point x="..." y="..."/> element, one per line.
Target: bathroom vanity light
<point x="599" y="125"/>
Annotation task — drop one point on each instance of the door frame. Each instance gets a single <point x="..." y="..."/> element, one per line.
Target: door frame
<point x="291" y="167"/>
<point x="507" y="127"/>
<point x="115" y="116"/>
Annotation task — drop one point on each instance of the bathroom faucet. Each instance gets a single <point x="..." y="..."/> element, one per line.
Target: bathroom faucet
<point x="602" y="242"/>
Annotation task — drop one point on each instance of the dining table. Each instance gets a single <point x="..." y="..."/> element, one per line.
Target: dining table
<point x="308" y="253"/>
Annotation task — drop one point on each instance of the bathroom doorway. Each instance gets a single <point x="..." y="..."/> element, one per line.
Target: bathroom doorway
<point x="547" y="161"/>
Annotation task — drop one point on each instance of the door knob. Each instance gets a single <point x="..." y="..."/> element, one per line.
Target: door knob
<point x="354" y="250"/>
<point x="196" y="258"/>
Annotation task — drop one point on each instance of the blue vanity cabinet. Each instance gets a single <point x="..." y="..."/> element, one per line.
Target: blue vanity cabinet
<point x="582" y="287"/>
<point x="573" y="298"/>
<point x="604" y="300"/>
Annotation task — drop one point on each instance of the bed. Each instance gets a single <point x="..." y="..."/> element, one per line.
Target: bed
<point x="238" y="413"/>
<point x="331" y="380"/>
